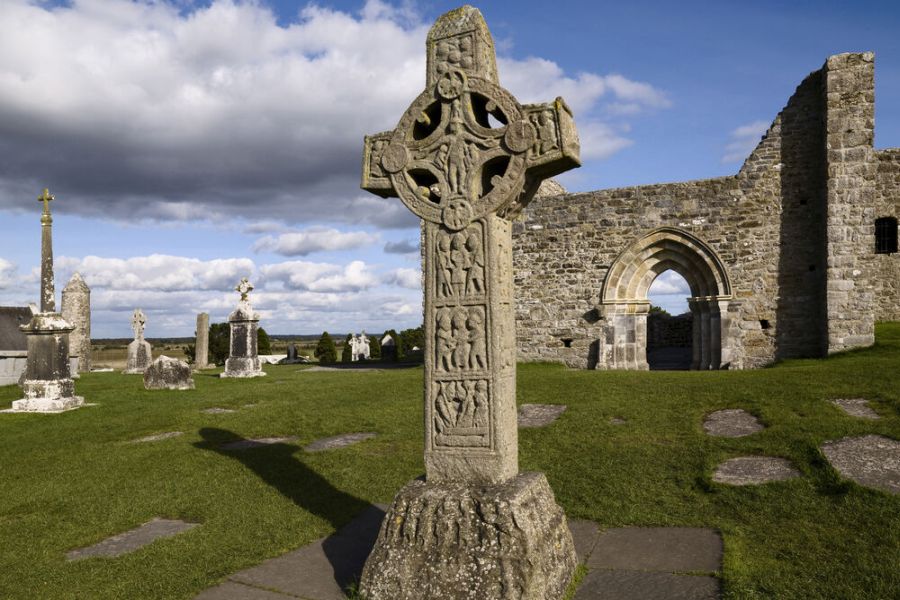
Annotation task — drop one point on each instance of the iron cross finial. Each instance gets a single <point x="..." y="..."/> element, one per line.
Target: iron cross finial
<point x="46" y="197"/>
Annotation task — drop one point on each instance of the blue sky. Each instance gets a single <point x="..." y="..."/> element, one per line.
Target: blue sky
<point x="191" y="143"/>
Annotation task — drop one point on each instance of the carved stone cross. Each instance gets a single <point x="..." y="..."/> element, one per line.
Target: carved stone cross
<point x="46" y="197"/>
<point x="138" y="322"/>
<point x="244" y="287"/>
<point x="465" y="157"/>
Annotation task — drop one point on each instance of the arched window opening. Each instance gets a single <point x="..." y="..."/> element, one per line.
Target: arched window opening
<point x="886" y="235"/>
<point x="669" y="323"/>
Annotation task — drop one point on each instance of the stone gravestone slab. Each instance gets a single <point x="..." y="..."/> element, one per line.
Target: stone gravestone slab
<point x="139" y="352"/>
<point x="47" y="382"/>
<point x="166" y="373"/>
<point x="201" y="345"/>
<point x="465" y="158"/>
<point x="243" y="360"/>
<point x="76" y="309"/>
<point x="731" y="422"/>
<point x="539" y="415"/>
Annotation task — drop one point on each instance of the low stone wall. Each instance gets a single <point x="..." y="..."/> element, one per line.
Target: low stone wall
<point x="12" y="365"/>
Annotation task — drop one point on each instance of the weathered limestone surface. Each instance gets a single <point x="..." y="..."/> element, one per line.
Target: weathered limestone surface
<point x="140" y="354"/>
<point x="452" y="540"/>
<point x="76" y="309"/>
<point x="47" y="382"/>
<point x="731" y="422"/>
<point x="886" y="270"/>
<point x="13" y="343"/>
<point x="166" y="373"/>
<point x="201" y="346"/>
<point x="754" y="470"/>
<point x="244" y="321"/>
<point x="789" y="238"/>
<point x="869" y="460"/>
<point x="475" y="528"/>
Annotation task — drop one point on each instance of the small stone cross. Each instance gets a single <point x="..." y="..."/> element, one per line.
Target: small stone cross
<point x="138" y="322"/>
<point x="46" y="197"/>
<point x="465" y="158"/>
<point x="244" y="287"/>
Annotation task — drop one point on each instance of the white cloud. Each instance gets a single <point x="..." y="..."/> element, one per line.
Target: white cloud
<point x="406" y="278"/>
<point x="669" y="282"/>
<point x="402" y="247"/>
<point x="217" y="112"/>
<point x="157" y="272"/>
<point x="744" y="140"/>
<point x="7" y="274"/>
<point x="320" y="277"/>
<point x="314" y="239"/>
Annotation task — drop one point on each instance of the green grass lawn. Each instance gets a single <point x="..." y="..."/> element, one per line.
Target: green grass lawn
<point x="72" y="480"/>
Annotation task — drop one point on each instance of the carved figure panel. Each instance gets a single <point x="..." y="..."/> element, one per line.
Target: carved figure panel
<point x="460" y="263"/>
<point x="460" y="339"/>
<point x="461" y="413"/>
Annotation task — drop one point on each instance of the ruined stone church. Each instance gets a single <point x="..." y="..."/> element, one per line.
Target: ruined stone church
<point x="794" y="256"/>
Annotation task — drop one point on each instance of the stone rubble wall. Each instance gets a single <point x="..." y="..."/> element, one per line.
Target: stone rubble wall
<point x="887" y="266"/>
<point x="852" y="166"/>
<point x="789" y="228"/>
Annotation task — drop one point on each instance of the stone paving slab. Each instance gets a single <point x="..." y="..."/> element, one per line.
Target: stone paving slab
<point x="215" y="410"/>
<point x="856" y="407"/>
<point x="132" y="540"/>
<point x="869" y="460"/>
<point x="318" y="571"/>
<point x="754" y="470"/>
<point x="231" y="590"/>
<point x="339" y="441"/>
<point x="657" y="549"/>
<point x="637" y="585"/>
<point x="157" y="437"/>
<point x="539" y="415"/>
<point x="323" y="569"/>
<point x="731" y="422"/>
<point x="257" y="443"/>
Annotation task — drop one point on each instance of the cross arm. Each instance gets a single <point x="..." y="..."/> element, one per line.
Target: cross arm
<point x="374" y="178"/>
<point x="557" y="148"/>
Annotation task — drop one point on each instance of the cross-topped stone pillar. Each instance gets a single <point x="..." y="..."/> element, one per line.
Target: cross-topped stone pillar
<point x="47" y="385"/>
<point x="465" y="158"/>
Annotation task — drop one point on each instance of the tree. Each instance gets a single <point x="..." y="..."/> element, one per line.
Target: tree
<point x="413" y="338"/>
<point x="263" y="344"/>
<point x="374" y="347"/>
<point x="219" y="342"/>
<point x="325" y="350"/>
<point x="347" y="351"/>
<point x="190" y="353"/>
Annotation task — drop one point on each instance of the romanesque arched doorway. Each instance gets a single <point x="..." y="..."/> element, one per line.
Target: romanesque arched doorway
<point x="624" y="305"/>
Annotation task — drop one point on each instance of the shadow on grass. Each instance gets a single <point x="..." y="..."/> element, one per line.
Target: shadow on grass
<point x="276" y="465"/>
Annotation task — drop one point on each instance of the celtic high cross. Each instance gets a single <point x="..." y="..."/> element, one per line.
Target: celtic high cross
<point x="465" y="158"/>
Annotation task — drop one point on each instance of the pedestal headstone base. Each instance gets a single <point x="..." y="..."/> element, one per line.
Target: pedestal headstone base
<point x="55" y="395"/>
<point x="243" y="367"/>
<point x="140" y="355"/>
<point x="456" y="541"/>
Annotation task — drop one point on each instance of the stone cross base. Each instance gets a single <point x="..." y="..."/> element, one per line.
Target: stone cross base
<point x="454" y="541"/>
<point x="243" y="367"/>
<point x="140" y="355"/>
<point x="55" y="395"/>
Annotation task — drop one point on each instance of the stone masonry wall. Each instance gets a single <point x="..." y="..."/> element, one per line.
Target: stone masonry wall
<point x="767" y="224"/>
<point x="852" y="166"/>
<point x="886" y="270"/>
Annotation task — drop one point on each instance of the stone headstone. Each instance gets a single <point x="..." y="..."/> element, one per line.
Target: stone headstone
<point x="201" y="345"/>
<point x="466" y="177"/>
<point x="388" y="348"/>
<point x="243" y="360"/>
<point x="139" y="352"/>
<point x="47" y="382"/>
<point x="76" y="309"/>
<point x="166" y="373"/>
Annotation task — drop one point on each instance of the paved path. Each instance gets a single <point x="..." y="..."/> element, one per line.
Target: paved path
<point x="634" y="563"/>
